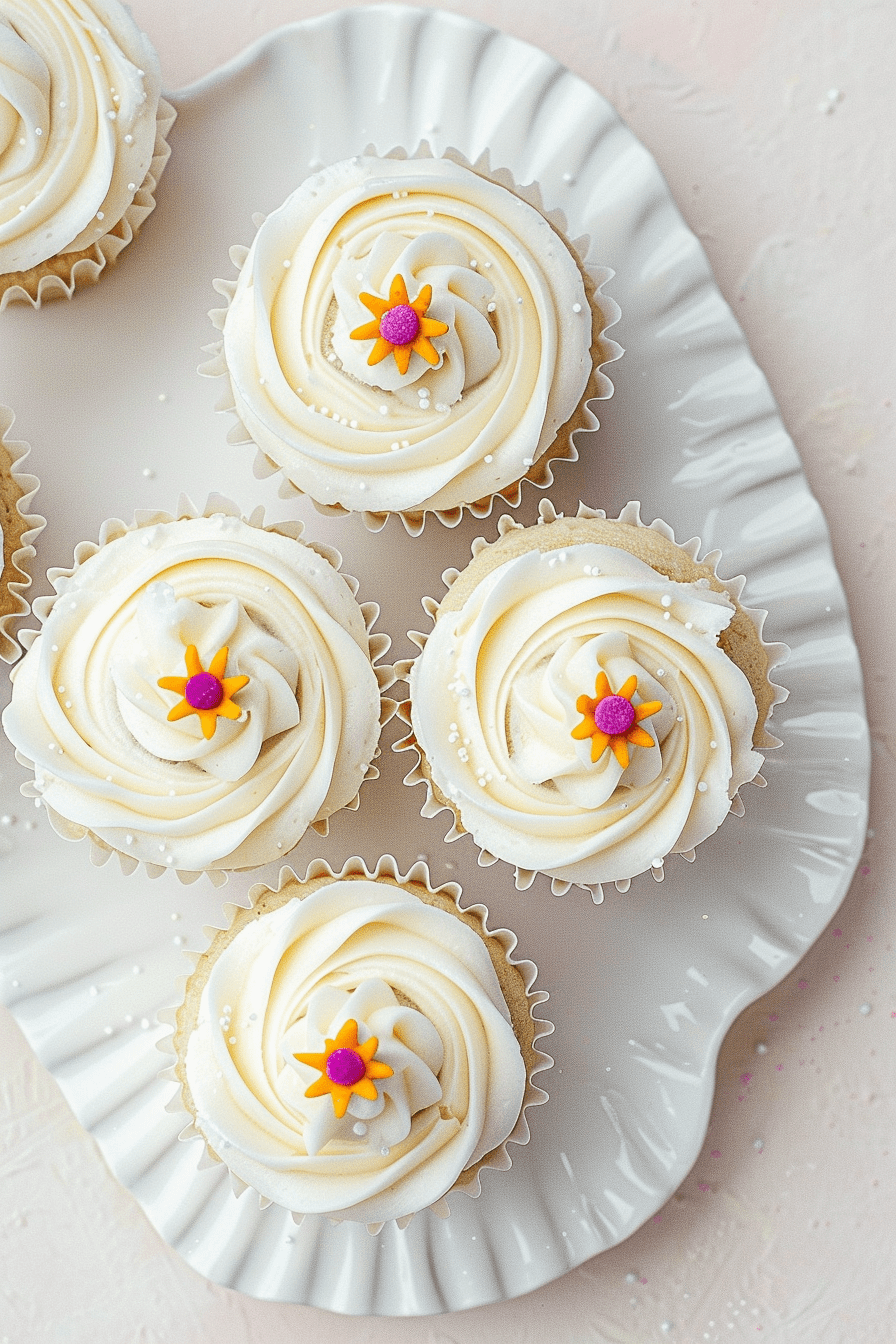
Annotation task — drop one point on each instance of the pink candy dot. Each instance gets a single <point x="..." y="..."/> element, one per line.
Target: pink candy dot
<point x="400" y="324"/>
<point x="204" y="691"/>
<point x="614" y="715"/>
<point x="345" y="1068"/>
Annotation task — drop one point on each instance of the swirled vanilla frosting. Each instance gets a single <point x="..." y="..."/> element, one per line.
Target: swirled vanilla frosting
<point x="413" y="989"/>
<point x="216" y="758"/>
<point x="406" y="335"/>
<point x="79" y="90"/>
<point x="579" y="715"/>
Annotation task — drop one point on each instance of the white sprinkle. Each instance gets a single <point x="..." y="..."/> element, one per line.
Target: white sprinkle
<point x="394" y="446"/>
<point x="353" y="424"/>
<point x="661" y="671"/>
<point x="132" y="186"/>
<point x="474" y="265"/>
<point x="55" y="648"/>
<point x="761" y="1048"/>
<point x="325" y="410"/>
<point x="96" y="56"/>
<point x="129" y="839"/>
<point x="384" y="410"/>
<point x="666" y="600"/>
<point x="63" y="103"/>
<point x="577" y="307"/>
<point x="492" y="307"/>
<point x="656" y="863"/>
<point x="161" y="849"/>
<point x="359" y="275"/>
<point x="527" y="461"/>
<point x="362" y="485"/>
<point x="488" y="458"/>
<point x="519" y="298"/>
<point x="108" y="779"/>
<point x="68" y="704"/>
<point x="680" y="719"/>
<point x="148" y="473"/>
<point x="93" y="991"/>
<point x="112" y="114"/>
<point x="702" y="786"/>
<point x="759" y="1144"/>
<point x="385" y="1152"/>
<point x="38" y="131"/>
<point x="713" y="745"/>
<point x="144" y="1022"/>
<point x="287" y="263"/>
<point x="231" y="1040"/>
<point x="359" y="1128"/>
<point x="689" y="625"/>
<point x="107" y="1031"/>
<point x="100" y="215"/>
<point x="666" y="616"/>
<point x="331" y="358"/>
<point x="430" y="213"/>
<point x="129" y="139"/>
<point x="135" y="970"/>
<point x="405" y="443"/>
<point x="865" y="1009"/>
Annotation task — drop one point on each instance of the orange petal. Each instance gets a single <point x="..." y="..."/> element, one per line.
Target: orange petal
<point x="368" y="332"/>
<point x="319" y="1088"/>
<point x="313" y="1061"/>
<point x="422" y="301"/>
<point x="209" y="720"/>
<point x="233" y="684"/>
<point x="341" y="1097"/>
<point x="347" y="1036"/>
<point x="639" y="737"/>
<point x="380" y="350"/>
<point x="587" y="728"/>
<point x="402" y="355"/>
<point x="601" y="687"/>
<point x="430" y="327"/>
<point x="644" y="711"/>
<point x="398" y="292"/>
<point x="365" y="1088"/>
<point x="191" y="658"/>
<point x="377" y="1069"/>
<point x="218" y="664"/>
<point x="620" y="751"/>
<point x="368" y="1049"/>
<point x="423" y="347"/>
<point x="598" y="745"/>
<point x="178" y="684"/>
<point x="180" y="711"/>
<point x="228" y="710"/>
<point x="376" y="305"/>
<point x="628" y="688"/>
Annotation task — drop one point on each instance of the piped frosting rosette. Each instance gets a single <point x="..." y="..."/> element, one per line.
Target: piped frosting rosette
<point x="202" y="691"/>
<point x="19" y="529"/>
<point x="410" y="335"/>
<point x="357" y="1045"/>
<point x="590" y="700"/>
<point x="82" y="142"/>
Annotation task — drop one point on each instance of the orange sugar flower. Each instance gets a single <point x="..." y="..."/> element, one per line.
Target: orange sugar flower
<point x="346" y="1067"/>
<point x="399" y="326"/>
<point x="205" y="693"/>
<point x="611" y="720"/>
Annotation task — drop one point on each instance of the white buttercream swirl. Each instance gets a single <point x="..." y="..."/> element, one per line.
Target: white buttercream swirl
<point x="79" y="90"/>
<point x="514" y="364"/>
<point x="87" y="711"/>
<point x="493" y="704"/>
<point x="291" y="978"/>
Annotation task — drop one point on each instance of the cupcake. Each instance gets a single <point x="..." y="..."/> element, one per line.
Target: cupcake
<point x="357" y="1045"/>
<point x="82" y="138"/>
<point x="412" y="335"/>
<point x="202" y="691"/>
<point x="591" y="698"/>
<point x="18" y="530"/>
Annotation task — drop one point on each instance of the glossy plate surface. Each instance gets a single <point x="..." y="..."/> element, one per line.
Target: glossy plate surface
<point x="643" y="987"/>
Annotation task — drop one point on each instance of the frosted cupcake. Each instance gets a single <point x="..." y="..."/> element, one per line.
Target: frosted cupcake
<point x="82" y="142"/>
<point x="18" y="531"/>
<point x="591" y="698"/>
<point x="411" y="336"/>
<point x="202" y="691"/>
<point x="357" y="1045"/>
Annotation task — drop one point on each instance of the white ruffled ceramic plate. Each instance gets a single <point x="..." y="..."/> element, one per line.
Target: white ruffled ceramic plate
<point x="644" y="987"/>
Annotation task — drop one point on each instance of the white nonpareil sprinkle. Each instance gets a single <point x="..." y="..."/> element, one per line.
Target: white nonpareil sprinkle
<point x="577" y="307"/>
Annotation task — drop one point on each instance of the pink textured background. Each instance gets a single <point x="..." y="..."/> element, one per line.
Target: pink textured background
<point x="773" y="121"/>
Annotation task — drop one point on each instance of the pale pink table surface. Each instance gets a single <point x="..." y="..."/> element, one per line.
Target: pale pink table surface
<point x="773" y="121"/>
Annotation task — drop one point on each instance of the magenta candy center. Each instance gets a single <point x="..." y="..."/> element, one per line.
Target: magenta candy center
<point x="614" y="715"/>
<point x="399" y="325"/>
<point x="345" y="1068"/>
<point x="204" y="691"/>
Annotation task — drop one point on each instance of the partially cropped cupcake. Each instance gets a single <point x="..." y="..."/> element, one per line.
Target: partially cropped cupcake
<point x="18" y="531"/>
<point x="591" y="699"/>
<point x="356" y="1045"/>
<point x="202" y="691"/>
<point x="413" y="335"/>
<point x="82" y="142"/>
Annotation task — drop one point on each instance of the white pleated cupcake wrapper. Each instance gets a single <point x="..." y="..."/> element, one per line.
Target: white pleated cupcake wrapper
<point x="524" y="877"/>
<point x="18" y="577"/>
<point x="106" y="250"/>
<point x="540" y="474"/>
<point x="377" y="644"/>
<point x="386" y="866"/>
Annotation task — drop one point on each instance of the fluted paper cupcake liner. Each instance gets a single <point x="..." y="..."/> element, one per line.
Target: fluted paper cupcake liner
<point x="500" y="943"/>
<point x="768" y="693"/>
<point x="604" y="350"/>
<point x="20" y="529"/>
